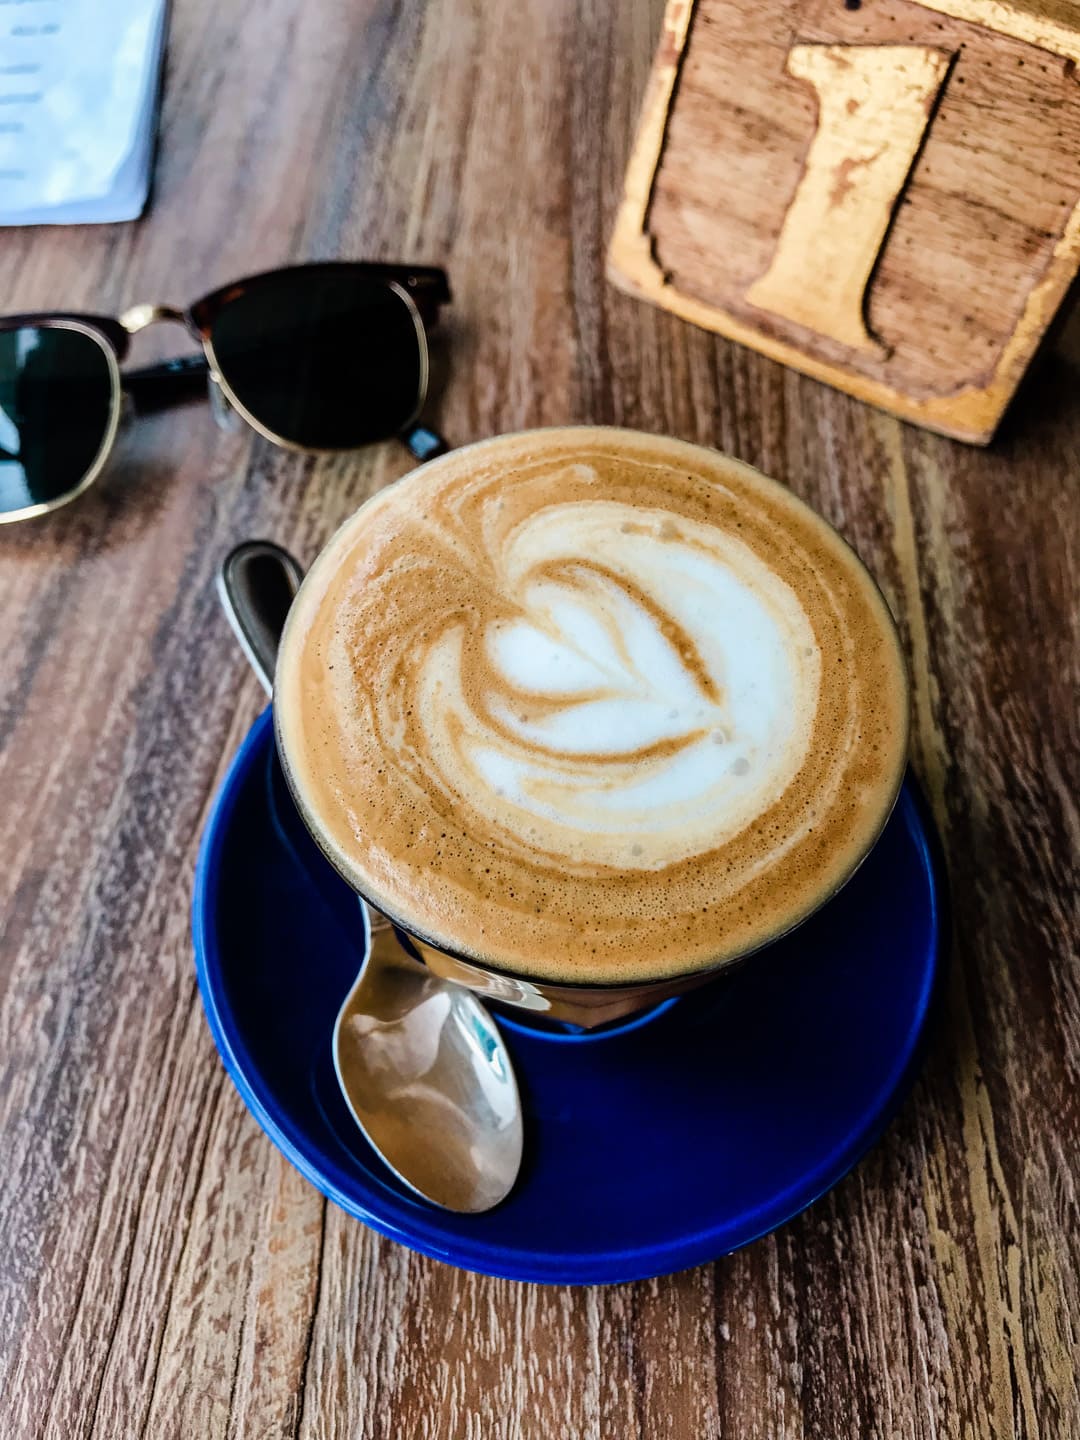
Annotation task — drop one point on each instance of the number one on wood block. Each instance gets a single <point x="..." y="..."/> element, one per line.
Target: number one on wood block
<point x="875" y="103"/>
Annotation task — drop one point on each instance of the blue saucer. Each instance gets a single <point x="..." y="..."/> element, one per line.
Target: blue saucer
<point x="648" y="1149"/>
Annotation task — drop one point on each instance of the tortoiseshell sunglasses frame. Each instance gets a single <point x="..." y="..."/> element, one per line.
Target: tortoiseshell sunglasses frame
<point x="423" y="288"/>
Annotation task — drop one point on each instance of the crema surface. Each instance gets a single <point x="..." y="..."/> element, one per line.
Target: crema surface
<point x="591" y="705"/>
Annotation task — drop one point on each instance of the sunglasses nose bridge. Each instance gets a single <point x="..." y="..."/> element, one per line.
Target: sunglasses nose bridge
<point x="140" y="316"/>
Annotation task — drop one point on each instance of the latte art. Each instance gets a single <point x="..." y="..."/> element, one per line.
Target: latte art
<point x="628" y="709"/>
<point x="590" y="705"/>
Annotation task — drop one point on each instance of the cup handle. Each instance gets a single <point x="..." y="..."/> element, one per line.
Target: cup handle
<point x="257" y="584"/>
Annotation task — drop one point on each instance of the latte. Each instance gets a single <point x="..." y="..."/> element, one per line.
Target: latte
<point x="590" y="705"/>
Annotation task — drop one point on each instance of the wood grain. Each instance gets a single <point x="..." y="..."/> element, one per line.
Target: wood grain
<point x="977" y="246"/>
<point x="163" y="1272"/>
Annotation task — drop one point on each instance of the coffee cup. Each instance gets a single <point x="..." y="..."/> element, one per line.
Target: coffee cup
<point x="590" y="715"/>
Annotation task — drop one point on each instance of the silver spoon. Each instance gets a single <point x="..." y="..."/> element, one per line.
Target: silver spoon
<point x="420" y="1063"/>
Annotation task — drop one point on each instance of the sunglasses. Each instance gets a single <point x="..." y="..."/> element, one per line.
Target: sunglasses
<point x="316" y="358"/>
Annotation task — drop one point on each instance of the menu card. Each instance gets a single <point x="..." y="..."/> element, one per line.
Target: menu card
<point x="79" y="85"/>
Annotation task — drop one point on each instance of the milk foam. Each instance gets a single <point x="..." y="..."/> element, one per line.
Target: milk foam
<point x="593" y="738"/>
<point x="588" y="705"/>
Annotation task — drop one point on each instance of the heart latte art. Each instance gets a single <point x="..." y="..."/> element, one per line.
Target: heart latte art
<point x="605" y="717"/>
<point x="590" y="705"/>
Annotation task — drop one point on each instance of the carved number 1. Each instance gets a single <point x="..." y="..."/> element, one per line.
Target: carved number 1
<point x="874" y="106"/>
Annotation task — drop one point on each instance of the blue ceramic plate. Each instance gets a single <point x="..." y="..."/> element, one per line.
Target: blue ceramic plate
<point x="648" y="1149"/>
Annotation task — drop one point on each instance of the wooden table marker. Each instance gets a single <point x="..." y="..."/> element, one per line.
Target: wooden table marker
<point x="884" y="195"/>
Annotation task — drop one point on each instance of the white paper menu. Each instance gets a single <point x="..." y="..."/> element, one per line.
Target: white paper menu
<point x="78" y="108"/>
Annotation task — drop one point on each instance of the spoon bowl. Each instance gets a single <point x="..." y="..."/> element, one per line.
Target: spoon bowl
<point x="427" y="1078"/>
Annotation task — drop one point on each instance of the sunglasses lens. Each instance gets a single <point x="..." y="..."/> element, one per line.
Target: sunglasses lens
<point x="325" y="359"/>
<point x="56" y="412"/>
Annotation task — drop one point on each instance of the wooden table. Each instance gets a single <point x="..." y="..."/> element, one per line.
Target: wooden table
<point x="164" y="1271"/>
